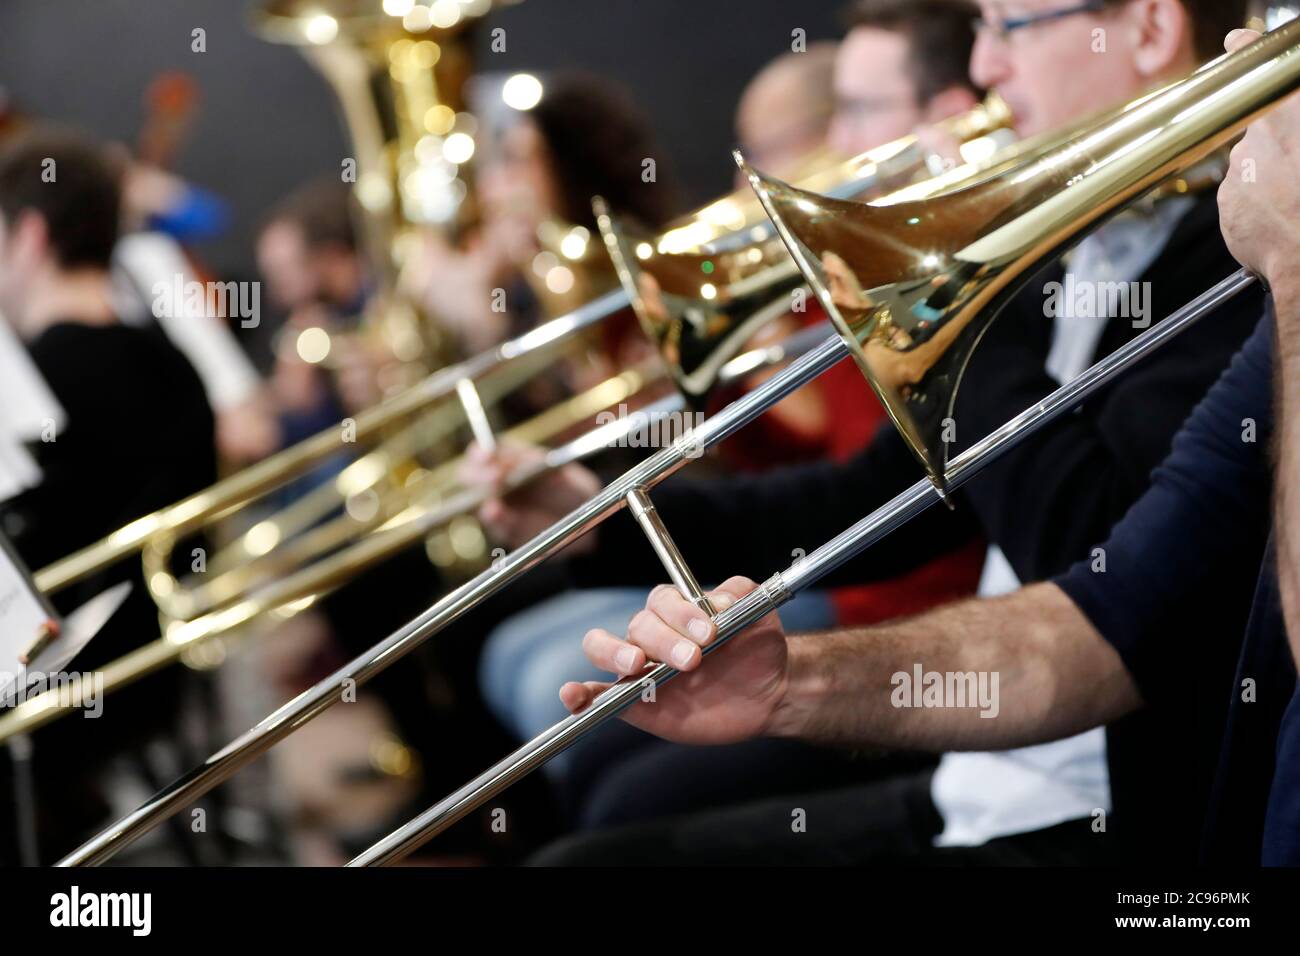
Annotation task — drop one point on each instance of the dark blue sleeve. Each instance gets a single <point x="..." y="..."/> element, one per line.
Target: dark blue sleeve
<point x="1180" y="567"/>
<point x="1282" y="828"/>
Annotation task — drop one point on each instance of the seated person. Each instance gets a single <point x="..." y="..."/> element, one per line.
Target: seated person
<point x="139" y="435"/>
<point x="786" y="113"/>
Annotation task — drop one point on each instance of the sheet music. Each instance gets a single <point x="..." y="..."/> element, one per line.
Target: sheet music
<point x="27" y="407"/>
<point x="18" y="469"/>
<point x="23" y="611"/>
<point x="227" y="373"/>
<point x="27" y="404"/>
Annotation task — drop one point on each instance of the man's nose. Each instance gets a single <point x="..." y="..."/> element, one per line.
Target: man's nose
<point x="989" y="64"/>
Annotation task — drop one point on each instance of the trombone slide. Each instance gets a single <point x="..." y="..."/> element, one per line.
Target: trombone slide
<point x="781" y="587"/>
<point x="252" y="743"/>
<point x="291" y="462"/>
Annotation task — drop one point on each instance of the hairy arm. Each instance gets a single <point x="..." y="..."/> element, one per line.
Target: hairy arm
<point x="1260" y="216"/>
<point x="1055" y="676"/>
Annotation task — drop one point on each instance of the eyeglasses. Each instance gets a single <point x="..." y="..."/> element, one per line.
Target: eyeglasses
<point x="1003" y="28"/>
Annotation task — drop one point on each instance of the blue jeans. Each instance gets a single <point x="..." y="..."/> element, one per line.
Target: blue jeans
<point x="528" y="657"/>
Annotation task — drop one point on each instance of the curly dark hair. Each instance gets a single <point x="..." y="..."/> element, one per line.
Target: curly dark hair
<point x="598" y="139"/>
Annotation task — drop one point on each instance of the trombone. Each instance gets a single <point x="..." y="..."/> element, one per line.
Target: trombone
<point x="968" y="269"/>
<point x="432" y="506"/>
<point x="699" y="356"/>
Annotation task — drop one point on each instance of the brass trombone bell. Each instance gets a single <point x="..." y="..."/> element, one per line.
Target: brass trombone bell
<point x="739" y="217"/>
<point x="912" y="285"/>
<point x="698" y="309"/>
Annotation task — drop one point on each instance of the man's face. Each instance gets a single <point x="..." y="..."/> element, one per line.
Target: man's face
<point x="1057" y="71"/>
<point x="515" y="182"/>
<point x="875" y="98"/>
<point x="16" y="264"/>
<point x="284" y="262"/>
<point x="782" y="117"/>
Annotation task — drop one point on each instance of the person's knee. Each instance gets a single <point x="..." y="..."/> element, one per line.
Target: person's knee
<point x="566" y="851"/>
<point x="538" y="686"/>
<point x="507" y="656"/>
<point x="626" y="847"/>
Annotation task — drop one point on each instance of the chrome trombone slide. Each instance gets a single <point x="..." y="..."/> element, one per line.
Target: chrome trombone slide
<point x="292" y="715"/>
<point x="779" y="588"/>
<point x="295" y="591"/>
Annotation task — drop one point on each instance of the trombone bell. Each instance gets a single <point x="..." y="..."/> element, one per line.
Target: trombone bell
<point x="911" y="285"/>
<point x="902" y="299"/>
<point x="699" y="307"/>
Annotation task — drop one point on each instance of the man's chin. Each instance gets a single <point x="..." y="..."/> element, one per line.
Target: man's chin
<point x="1023" y="122"/>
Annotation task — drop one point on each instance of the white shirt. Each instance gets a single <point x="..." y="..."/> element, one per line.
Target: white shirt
<point x="982" y="796"/>
<point x="148" y="258"/>
<point x="27" y="409"/>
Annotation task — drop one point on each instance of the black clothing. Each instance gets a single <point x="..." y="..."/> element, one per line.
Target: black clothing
<point x="891" y="822"/>
<point x="139" y="435"/>
<point x="1044" y="504"/>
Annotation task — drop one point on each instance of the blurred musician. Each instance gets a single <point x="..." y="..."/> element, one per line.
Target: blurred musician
<point x="1207" y="553"/>
<point x="163" y="215"/>
<point x="584" y="138"/>
<point x="139" y="435"/>
<point x="316" y="275"/>
<point x="307" y="252"/>
<point x="1044" y="504"/>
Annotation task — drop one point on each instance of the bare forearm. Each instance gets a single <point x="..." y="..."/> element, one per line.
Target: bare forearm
<point x="1286" y="523"/>
<point x="1011" y="671"/>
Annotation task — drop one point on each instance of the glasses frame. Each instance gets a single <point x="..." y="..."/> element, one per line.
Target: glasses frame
<point x="1004" y="28"/>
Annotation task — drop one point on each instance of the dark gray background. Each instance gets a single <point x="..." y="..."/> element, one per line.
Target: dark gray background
<point x="267" y="120"/>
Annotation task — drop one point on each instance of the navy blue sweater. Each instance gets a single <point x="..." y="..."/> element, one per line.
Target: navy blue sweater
<point x="1168" y="601"/>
